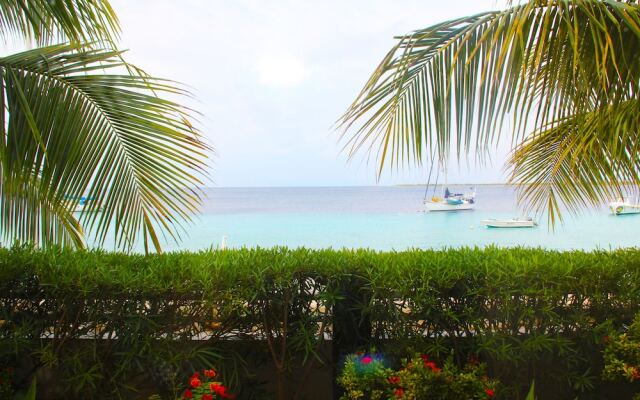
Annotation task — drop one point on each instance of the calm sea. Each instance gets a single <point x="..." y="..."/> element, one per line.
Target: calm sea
<point x="386" y="218"/>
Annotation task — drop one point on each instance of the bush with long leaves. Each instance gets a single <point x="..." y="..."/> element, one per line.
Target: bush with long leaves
<point x="104" y="323"/>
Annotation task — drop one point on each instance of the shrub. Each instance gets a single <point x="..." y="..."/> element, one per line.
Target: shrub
<point x="530" y="314"/>
<point x="206" y="387"/>
<point x="622" y="355"/>
<point x="365" y="377"/>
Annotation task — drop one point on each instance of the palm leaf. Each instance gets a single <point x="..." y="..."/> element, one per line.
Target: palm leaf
<point x="72" y="130"/>
<point x="580" y="160"/>
<point x="452" y="85"/>
<point x="46" y="21"/>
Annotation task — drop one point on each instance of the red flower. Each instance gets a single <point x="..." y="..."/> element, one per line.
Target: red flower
<point x="490" y="393"/>
<point x="220" y="390"/>
<point x="187" y="394"/>
<point x="394" y="380"/>
<point x="635" y="373"/>
<point x="399" y="393"/>
<point x="195" y="382"/>
<point x="206" y="397"/>
<point x="432" y="365"/>
<point x="195" y="375"/>
<point x="209" y="373"/>
<point x="366" y="360"/>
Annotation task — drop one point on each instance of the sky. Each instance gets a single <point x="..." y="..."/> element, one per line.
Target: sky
<point x="272" y="77"/>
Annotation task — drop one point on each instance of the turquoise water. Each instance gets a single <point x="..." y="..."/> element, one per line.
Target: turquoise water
<point x="386" y="218"/>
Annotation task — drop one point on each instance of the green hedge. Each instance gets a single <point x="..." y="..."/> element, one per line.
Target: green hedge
<point x="529" y="313"/>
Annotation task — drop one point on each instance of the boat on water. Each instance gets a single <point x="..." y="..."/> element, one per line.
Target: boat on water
<point x="509" y="223"/>
<point x="622" y="207"/>
<point x="451" y="201"/>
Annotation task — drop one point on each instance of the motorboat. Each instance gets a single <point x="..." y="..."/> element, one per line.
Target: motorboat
<point x="509" y="223"/>
<point x="622" y="207"/>
<point x="452" y="201"/>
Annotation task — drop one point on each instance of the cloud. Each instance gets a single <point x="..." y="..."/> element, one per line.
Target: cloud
<point x="281" y="70"/>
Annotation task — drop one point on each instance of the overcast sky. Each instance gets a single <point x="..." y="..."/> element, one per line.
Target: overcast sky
<point x="271" y="77"/>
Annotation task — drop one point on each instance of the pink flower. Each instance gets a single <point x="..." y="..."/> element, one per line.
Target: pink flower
<point x="366" y="360"/>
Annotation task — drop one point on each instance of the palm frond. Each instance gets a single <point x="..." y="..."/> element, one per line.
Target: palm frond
<point x="108" y="136"/>
<point x="453" y="85"/>
<point x="46" y="21"/>
<point x="580" y="160"/>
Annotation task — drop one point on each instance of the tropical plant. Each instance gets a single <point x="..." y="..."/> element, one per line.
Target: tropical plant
<point x="532" y="392"/>
<point x="622" y="355"/>
<point x="532" y="313"/>
<point x="565" y="73"/>
<point x="206" y="387"/>
<point x="78" y="121"/>
<point x="366" y="377"/>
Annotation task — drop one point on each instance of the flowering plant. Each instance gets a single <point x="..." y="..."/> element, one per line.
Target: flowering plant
<point x="622" y="355"/>
<point x="206" y="387"/>
<point x="365" y="377"/>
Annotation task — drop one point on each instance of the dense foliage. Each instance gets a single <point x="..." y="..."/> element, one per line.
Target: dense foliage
<point x="367" y="377"/>
<point x="529" y="314"/>
<point x="622" y="355"/>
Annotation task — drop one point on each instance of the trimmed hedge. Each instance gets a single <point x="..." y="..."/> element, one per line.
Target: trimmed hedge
<point x="529" y="313"/>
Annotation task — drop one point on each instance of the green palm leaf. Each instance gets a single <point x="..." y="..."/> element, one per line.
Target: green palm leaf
<point x="45" y="21"/>
<point x="72" y="130"/>
<point x="541" y="64"/>
<point x="575" y="160"/>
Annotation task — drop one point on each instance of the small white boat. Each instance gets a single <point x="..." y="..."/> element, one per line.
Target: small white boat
<point x="509" y="223"/>
<point x="622" y="207"/>
<point x="451" y="201"/>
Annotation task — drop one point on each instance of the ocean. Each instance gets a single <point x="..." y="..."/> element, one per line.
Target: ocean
<point x="386" y="218"/>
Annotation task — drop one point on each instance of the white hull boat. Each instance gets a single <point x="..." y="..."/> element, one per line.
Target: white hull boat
<point x="509" y="223"/>
<point x="622" y="207"/>
<point x="451" y="202"/>
<point x="441" y="205"/>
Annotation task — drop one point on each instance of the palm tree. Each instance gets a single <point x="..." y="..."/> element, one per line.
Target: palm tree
<point x="78" y="120"/>
<point x="564" y="73"/>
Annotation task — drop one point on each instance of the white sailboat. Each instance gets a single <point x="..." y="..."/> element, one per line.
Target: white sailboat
<point x="452" y="201"/>
<point x="622" y="207"/>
